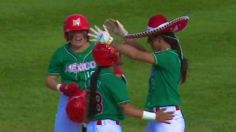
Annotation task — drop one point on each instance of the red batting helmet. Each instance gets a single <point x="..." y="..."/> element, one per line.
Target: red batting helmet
<point x="76" y="106"/>
<point x="105" y="55"/>
<point x="75" y="22"/>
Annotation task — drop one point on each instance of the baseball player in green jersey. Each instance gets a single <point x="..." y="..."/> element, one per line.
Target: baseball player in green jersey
<point x="74" y="64"/>
<point x="169" y="67"/>
<point x="108" y="98"/>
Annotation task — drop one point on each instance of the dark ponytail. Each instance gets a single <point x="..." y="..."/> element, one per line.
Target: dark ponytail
<point x="184" y="70"/>
<point x="171" y="39"/>
<point x="92" y="106"/>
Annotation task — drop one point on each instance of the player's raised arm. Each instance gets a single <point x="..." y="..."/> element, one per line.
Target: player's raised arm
<point x="135" y="44"/>
<point x="129" y="51"/>
<point x="134" y="53"/>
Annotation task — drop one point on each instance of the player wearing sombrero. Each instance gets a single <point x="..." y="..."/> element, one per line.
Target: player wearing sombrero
<point x="108" y="98"/>
<point x="169" y="67"/>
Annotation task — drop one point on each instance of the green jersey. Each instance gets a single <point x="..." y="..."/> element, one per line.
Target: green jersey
<point x="164" y="80"/>
<point x="71" y="66"/>
<point x="111" y="92"/>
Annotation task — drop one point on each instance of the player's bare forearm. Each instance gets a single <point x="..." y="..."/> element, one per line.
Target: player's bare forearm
<point x="162" y="115"/>
<point x="130" y="110"/>
<point x="135" y="44"/>
<point x="134" y="53"/>
<point x="127" y="50"/>
<point x="51" y="82"/>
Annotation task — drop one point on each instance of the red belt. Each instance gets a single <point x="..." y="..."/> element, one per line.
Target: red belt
<point x="99" y="122"/>
<point x="176" y="107"/>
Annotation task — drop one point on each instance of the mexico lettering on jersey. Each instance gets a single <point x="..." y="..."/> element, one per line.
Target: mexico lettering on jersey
<point x="81" y="67"/>
<point x="71" y="66"/>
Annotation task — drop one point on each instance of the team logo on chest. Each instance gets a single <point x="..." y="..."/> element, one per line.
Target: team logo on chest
<point x="75" y="67"/>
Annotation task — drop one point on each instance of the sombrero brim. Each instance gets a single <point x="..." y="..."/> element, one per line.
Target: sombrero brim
<point x="175" y="25"/>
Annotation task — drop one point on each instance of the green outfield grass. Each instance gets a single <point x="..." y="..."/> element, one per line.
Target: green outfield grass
<point x="31" y="30"/>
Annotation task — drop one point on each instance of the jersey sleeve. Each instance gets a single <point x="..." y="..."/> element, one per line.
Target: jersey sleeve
<point x="164" y="59"/>
<point x="118" y="89"/>
<point x="55" y="65"/>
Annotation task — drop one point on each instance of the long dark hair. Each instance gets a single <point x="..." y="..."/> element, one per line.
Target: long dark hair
<point x="92" y="106"/>
<point x="171" y="39"/>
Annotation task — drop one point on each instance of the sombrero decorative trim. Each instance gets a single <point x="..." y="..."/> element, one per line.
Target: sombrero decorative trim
<point x="175" y="25"/>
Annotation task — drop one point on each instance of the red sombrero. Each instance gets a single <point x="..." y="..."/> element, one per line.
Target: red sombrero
<point x="158" y="24"/>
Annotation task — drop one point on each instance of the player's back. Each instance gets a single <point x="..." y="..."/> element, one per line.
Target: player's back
<point x="111" y="91"/>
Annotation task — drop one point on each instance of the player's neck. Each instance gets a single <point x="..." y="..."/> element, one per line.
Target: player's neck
<point x="165" y="47"/>
<point x="81" y="48"/>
